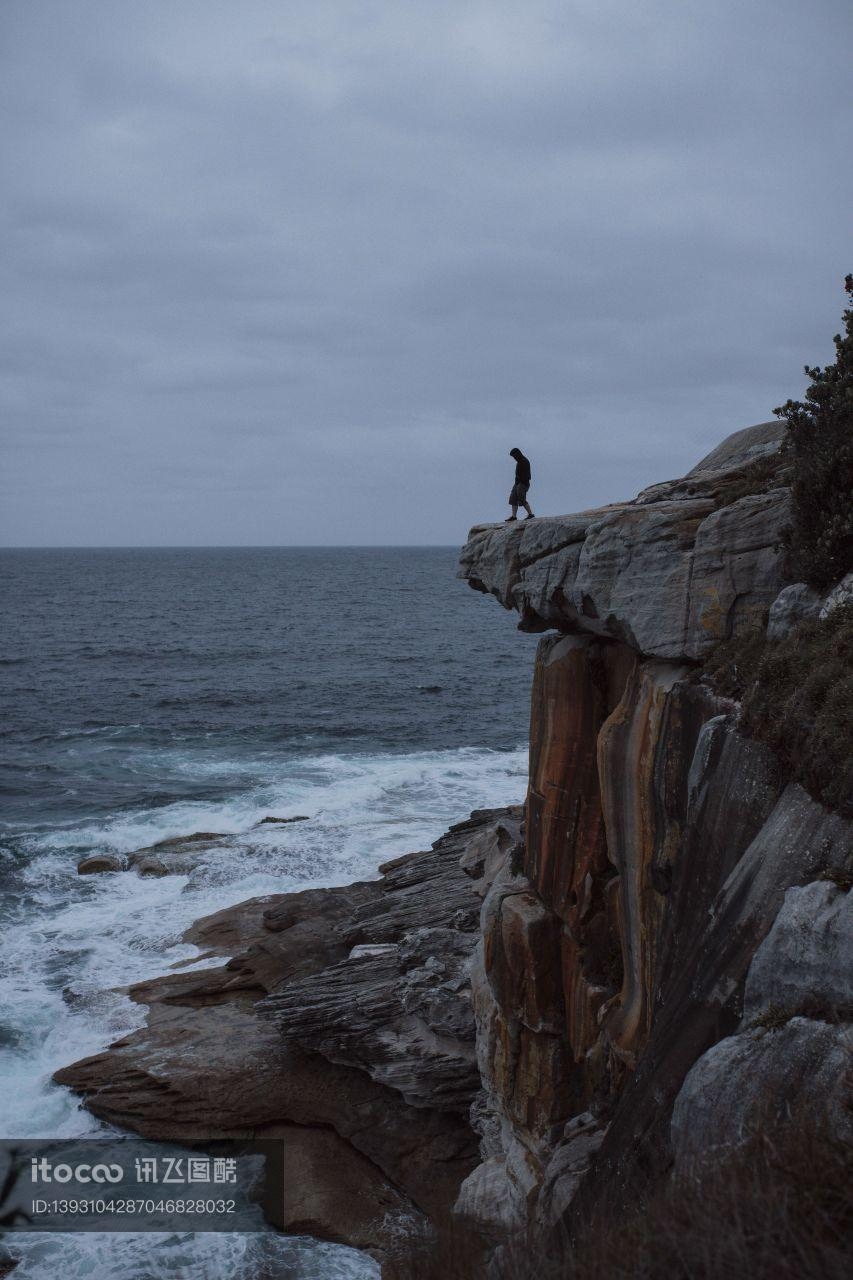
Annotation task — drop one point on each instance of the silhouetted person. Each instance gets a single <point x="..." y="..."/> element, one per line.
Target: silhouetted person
<point x="518" y="497"/>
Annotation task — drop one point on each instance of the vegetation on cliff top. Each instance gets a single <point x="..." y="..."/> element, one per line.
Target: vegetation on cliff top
<point x="819" y="540"/>
<point x="796" y="695"/>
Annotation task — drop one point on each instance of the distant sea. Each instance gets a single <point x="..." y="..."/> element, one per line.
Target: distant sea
<point x="153" y="693"/>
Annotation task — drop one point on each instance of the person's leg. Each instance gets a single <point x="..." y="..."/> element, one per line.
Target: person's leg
<point x="519" y="495"/>
<point x="513" y="502"/>
<point x="514" y="515"/>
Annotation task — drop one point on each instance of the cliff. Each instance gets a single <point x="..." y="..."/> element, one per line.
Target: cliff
<point x="550" y="1010"/>
<point x="670" y="864"/>
<point x="685" y="565"/>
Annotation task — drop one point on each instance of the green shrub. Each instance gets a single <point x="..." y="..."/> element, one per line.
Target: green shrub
<point x="819" y="540"/>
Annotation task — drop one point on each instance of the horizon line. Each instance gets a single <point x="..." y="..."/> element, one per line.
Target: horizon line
<point x="232" y="546"/>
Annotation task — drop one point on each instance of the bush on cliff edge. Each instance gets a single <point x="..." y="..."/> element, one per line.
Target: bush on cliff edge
<point x="819" y="540"/>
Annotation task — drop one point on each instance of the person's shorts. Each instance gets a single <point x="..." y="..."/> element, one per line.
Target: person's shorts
<point x="518" y="495"/>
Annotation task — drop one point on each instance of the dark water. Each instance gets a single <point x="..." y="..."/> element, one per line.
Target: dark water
<point x="150" y="694"/>
<point x="113" y="661"/>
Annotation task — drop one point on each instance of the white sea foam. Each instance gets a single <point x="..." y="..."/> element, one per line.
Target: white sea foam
<point x="77" y="939"/>
<point x="185" y="1256"/>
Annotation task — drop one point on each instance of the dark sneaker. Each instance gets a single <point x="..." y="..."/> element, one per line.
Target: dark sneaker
<point x="509" y="518"/>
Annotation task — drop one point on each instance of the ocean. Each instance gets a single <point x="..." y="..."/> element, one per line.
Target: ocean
<point x="151" y="693"/>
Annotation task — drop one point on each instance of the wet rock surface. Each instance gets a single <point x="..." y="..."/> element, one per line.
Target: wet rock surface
<point x="179" y="855"/>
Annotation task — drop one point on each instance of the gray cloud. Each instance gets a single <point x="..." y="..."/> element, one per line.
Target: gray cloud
<point x="304" y="273"/>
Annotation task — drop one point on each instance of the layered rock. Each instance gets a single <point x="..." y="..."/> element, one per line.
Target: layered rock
<point x="682" y="567"/>
<point x="341" y="1024"/>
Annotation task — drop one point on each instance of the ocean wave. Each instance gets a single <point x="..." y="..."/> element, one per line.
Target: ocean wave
<point x="70" y="945"/>
<point x="347" y="787"/>
<point x="185" y="1256"/>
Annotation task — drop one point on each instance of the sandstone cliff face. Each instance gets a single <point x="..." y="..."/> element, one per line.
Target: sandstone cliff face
<point x="659" y="846"/>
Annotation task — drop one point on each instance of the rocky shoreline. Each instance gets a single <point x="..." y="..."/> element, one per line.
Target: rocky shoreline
<point x="341" y="1023"/>
<point x="558" y="1005"/>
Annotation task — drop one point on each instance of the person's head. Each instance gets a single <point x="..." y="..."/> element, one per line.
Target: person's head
<point x="515" y="453"/>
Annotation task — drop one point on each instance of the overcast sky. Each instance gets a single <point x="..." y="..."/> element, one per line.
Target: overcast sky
<point x="304" y="272"/>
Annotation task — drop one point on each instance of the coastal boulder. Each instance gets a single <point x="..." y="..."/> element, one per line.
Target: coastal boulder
<point x="805" y="964"/>
<point x="759" y="1079"/>
<point x="793" y="604"/>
